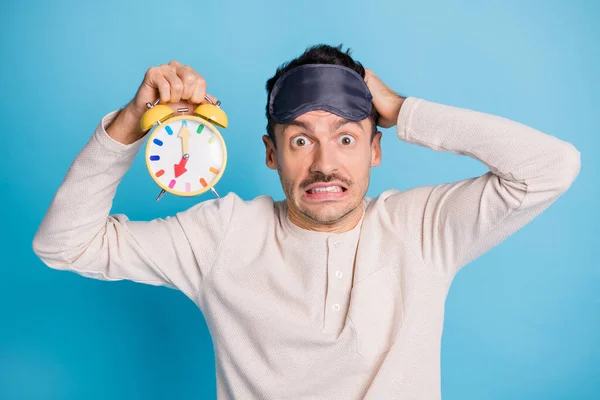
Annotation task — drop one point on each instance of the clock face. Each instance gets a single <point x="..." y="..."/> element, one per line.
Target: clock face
<point x="186" y="155"/>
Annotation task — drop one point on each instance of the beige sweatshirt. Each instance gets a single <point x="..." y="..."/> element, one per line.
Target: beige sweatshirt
<point x="297" y="314"/>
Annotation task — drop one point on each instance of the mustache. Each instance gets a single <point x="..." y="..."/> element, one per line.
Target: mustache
<point x="320" y="177"/>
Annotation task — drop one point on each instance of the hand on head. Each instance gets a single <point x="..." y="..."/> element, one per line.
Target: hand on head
<point x="386" y="101"/>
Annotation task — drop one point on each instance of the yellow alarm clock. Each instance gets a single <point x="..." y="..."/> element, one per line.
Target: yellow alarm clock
<point x="185" y="154"/>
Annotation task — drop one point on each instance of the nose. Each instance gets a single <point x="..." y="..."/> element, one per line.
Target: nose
<point x="324" y="160"/>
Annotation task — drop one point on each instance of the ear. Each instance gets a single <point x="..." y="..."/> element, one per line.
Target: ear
<point x="270" y="156"/>
<point x="376" y="150"/>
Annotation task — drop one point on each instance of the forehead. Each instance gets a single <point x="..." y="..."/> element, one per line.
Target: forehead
<point x="318" y="120"/>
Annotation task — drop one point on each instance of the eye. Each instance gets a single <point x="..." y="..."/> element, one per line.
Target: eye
<point x="346" y="140"/>
<point x="300" y="141"/>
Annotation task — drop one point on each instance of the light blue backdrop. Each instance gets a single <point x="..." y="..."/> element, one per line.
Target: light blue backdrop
<point x="522" y="321"/>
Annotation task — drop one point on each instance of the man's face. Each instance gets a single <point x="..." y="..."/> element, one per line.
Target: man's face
<point x="324" y="162"/>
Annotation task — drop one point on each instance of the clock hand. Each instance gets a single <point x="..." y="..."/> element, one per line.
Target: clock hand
<point x="184" y="134"/>
<point x="180" y="168"/>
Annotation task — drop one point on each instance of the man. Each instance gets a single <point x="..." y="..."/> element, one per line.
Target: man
<point x="326" y="294"/>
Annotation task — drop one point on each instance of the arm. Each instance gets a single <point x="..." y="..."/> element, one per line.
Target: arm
<point x="78" y="234"/>
<point x="451" y="224"/>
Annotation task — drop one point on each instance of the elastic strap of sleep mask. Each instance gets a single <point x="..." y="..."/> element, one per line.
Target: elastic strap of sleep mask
<point x="334" y="88"/>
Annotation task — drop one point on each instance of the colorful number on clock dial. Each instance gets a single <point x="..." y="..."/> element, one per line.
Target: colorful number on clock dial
<point x="167" y="161"/>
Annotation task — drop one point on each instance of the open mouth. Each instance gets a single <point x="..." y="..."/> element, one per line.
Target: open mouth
<point x="326" y="191"/>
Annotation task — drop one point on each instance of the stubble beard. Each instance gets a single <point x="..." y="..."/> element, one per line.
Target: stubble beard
<point x="326" y="217"/>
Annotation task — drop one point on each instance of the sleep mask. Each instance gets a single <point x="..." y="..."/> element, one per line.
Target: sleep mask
<point x="334" y="88"/>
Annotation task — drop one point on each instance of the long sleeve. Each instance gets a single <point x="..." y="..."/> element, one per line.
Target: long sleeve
<point x="451" y="224"/>
<point x="78" y="234"/>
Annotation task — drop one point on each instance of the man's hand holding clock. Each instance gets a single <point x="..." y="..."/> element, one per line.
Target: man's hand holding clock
<point x="178" y="85"/>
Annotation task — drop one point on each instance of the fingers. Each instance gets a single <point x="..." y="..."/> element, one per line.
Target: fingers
<point x="372" y="81"/>
<point x="386" y="101"/>
<point x="154" y="79"/>
<point x="199" y="92"/>
<point x="368" y="74"/>
<point x="194" y="83"/>
<point x="176" y="82"/>
<point x="213" y="98"/>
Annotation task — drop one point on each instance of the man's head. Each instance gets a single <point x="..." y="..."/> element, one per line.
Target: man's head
<point x="323" y="159"/>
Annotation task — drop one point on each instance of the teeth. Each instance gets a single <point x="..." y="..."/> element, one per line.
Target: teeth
<point x="326" y="189"/>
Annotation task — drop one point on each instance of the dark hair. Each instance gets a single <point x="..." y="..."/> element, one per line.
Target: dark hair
<point x="317" y="54"/>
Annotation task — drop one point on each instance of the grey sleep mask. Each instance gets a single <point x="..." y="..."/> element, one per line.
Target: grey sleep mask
<point x="334" y="88"/>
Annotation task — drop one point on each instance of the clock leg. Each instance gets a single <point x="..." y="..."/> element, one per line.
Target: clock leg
<point x="160" y="194"/>
<point x="215" y="192"/>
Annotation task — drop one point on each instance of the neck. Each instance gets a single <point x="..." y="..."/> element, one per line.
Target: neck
<point x="344" y="224"/>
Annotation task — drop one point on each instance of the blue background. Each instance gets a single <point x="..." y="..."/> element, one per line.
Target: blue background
<point x="522" y="321"/>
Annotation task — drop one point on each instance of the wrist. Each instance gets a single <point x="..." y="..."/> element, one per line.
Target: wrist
<point x="390" y="112"/>
<point x="126" y="128"/>
<point x="399" y="102"/>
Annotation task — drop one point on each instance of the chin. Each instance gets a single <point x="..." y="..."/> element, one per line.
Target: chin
<point x="325" y="213"/>
<point x="325" y="209"/>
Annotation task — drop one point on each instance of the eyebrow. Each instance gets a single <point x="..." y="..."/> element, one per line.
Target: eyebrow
<point x="309" y="127"/>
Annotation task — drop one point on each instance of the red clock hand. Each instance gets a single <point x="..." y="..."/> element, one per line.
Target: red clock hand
<point x="180" y="168"/>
